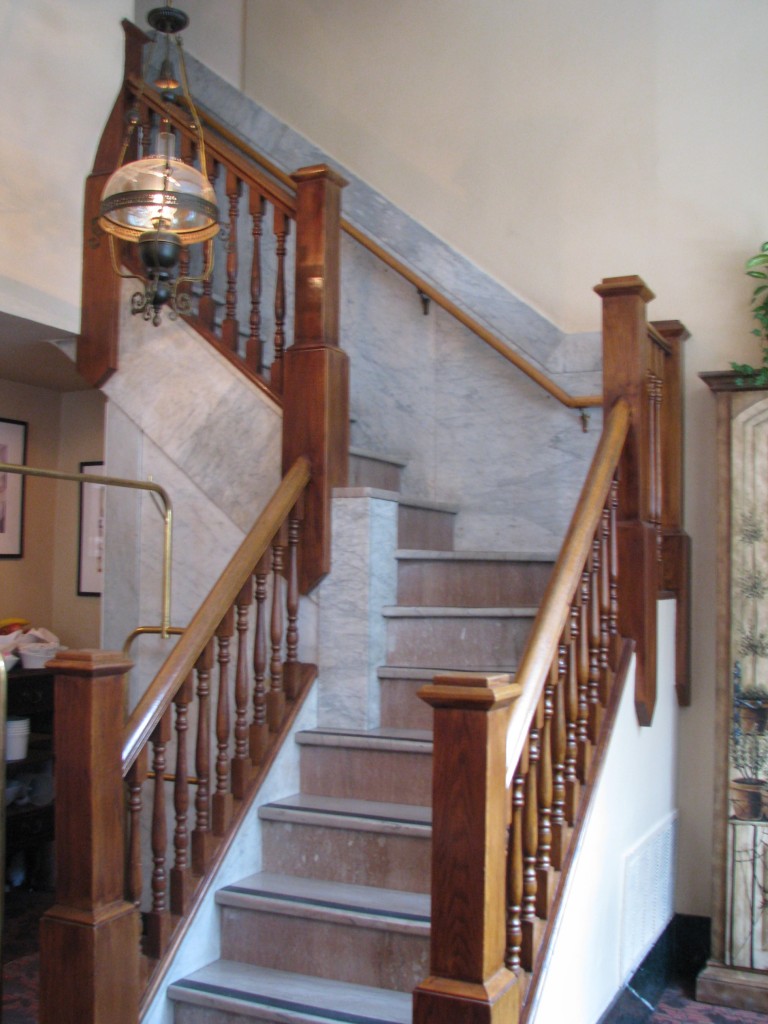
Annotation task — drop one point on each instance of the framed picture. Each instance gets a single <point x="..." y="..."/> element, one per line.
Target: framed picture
<point x="13" y="450"/>
<point x="90" y="573"/>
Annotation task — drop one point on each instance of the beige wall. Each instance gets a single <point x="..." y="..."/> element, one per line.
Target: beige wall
<point x="63" y="430"/>
<point x="60" y="70"/>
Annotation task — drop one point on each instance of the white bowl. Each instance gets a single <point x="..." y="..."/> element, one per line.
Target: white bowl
<point x="36" y="655"/>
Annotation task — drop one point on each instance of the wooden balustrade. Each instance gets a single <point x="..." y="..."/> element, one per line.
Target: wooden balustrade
<point x="175" y="779"/>
<point x="624" y="547"/>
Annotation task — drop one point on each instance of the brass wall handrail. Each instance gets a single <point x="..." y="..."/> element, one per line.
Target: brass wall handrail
<point x="116" y="481"/>
<point x="164" y="631"/>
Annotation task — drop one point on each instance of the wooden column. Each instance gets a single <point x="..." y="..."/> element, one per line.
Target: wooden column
<point x="315" y="370"/>
<point x="89" y="940"/>
<point x="469" y="983"/>
<point x="626" y="373"/>
<point x="676" y="544"/>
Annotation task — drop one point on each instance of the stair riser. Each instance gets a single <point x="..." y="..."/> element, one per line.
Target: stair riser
<point x="424" y="529"/>
<point x="400" y="707"/>
<point x="346" y="855"/>
<point x="390" y="776"/>
<point x="370" y="472"/>
<point x="470" y="584"/>
<point x="462" y="643"/>
<point x="342" y="951"/>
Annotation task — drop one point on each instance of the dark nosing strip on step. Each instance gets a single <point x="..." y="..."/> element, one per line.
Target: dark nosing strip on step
<point x="328" y="904"/>
<point x="351" y="814"/>
<point x="280" y="1004"/>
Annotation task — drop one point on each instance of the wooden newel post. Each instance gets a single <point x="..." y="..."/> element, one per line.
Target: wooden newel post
<point x="469" y="983"/>
<point x="315" y="369"/>
<point x="628" y="373"/>
<point x="89" y="941"/>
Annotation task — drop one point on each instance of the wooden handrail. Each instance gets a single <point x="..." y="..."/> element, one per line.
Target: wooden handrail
<point x="555" y="606"/>
<point x="420" y="283"/>
<point x="181" y="660"/>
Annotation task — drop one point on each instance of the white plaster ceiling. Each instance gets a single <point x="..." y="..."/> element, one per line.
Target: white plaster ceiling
<point x="37" y="354"/>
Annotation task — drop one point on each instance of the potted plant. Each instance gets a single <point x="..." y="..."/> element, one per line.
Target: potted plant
<point x="756" y="267"/>
<point x="749" y="761"/>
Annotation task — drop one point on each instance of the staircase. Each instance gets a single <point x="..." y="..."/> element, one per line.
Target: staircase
<point x="336" y="925"/>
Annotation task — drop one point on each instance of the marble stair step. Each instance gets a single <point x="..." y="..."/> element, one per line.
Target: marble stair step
<point x="420" y="524"/>
<point x="389" y="765"/>
<point x="354" y="933"/>
<point x="426" y="637"/>
<point x="369" y="469"/>
<point x="360" y="842"/>
<point x="258" y="994"/>
<point x="472" y="578"/>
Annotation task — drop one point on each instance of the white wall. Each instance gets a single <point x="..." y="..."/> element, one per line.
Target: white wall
<point x="60" y="69"/>
<point x="620" y="892"/>
<point x="557" y="144"/>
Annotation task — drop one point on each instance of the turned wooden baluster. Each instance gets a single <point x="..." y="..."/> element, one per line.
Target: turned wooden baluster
<point x="613" y="572"/>
<point x="135" y="781"/>
<point x="241" y="762"/>
<point x="276" y="695"/>
<point x="530" y="849"/>
<point x="253" y="353"/>
<point x="201" y="835"/>
<point x="595" y="709"/>
<point x="605" y="605"/>
<point x="259" y="735"/>
<point x="158" y="919"/>
<point x="515" y="889"/>
<point x="544" y="853"/>
<point x="291" y="675"/>
<point x="206" y="308"/>
<point x="146" y="130"/>
<point x="222" y="798"/>
<point x="582" y="675"/>
<point x="572" y="717"/>
<point x="281" y="228"/>
<point x="181" y="878"/>
<point x="187" y="151"/>
<point x="559" y="744"/>
<point x="230" y="327"/>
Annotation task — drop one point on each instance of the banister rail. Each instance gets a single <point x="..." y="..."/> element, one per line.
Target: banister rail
<point x="418" y="282"/>
<point x="181" y="660"/>
<point x="547" y="629"/>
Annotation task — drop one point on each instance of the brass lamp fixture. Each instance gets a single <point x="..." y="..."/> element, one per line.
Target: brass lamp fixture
<point x="159" y="202"/>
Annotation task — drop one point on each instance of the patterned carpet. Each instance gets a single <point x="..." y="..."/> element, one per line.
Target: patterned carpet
<point x="677" y="1007"/>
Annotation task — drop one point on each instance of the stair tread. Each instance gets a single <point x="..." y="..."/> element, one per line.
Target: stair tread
<point x="383" y="738"/>
<point x="285" y="996"/>
<point x="401" y="499"/>
<point x="427" y="674"/>
<point x="414" y="554"/>
<point x="318" y="898"/>
<point x="343" y="812"/>
<point x="451" y="612"/>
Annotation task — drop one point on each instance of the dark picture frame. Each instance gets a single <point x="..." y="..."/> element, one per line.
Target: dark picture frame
<point x="90" y="563"/>
<point x="13" y="451"/>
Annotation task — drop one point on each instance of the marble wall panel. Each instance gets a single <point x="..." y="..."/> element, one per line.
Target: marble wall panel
<point x="352" y="630"/>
